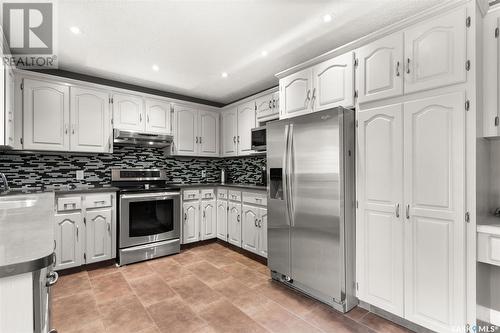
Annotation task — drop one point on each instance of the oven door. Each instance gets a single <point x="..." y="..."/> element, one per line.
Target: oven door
<point x="149" y="217"/>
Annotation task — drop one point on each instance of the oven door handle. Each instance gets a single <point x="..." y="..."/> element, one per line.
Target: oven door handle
<point x="159" y="195"/>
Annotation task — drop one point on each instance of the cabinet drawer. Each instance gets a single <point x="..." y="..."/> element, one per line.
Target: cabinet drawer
<point x="191" y="194"/>
<point x="488" y="248"/>
<point x="69" y="203"/>
<point x="235" y="195"/>
<point x="98" y="200"/>
<point x="221" y="194"/>
<point x="208" y="194"/>
<point x="255" y="198"/>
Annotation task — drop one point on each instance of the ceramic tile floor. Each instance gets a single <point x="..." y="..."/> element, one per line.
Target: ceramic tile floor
<point x="209" y="288"/>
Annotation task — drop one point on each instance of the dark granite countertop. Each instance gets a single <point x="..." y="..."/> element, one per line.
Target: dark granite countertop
<point x="61" y="190"/>
<point x="242" y="186"/>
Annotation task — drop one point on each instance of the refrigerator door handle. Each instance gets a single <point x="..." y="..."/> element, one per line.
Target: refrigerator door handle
<point x="290" y="171"/>
<point x="285" y="174"/>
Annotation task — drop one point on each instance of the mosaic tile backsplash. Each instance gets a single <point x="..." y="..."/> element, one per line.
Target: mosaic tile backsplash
<point x="53" y="170"/>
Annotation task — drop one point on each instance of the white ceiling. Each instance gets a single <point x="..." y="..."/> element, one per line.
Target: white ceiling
<point x="194" y="41"/>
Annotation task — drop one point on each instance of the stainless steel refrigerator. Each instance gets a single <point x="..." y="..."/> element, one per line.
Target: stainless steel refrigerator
<point x="311" y="205"/>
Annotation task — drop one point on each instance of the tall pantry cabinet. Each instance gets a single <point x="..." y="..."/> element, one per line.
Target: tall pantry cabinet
<point x="411" y="138"/>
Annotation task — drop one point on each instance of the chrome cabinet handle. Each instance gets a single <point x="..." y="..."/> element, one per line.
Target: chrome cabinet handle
<point x="308" y="97"/>
<point x="73" y="129"/>
<point x="397" y="210"/>
<point x="397" y="69"/>
<point x="109" y="227"/>
<point x="255" y="223"/>
<point x="238" y="140"/>
<point x="185" y="217"/>
<point x="76" y="232"/>
<point x="52" y="279"/>
<point x="260" y="223"/>
<point x="274" y="103"/>
<point x="66" y="129"/>
<point x="270" y="104"/>
<point x="147" y="118"/>
<point x="314" y="95"/>
<point x="234" y="139"/>
<point x="238" y="218"/>
<point x="408" y="211"/>
<point x="140" y="117"/>
<point x="408" y="66"/>
<point x="196" y="139"/>
<point x="200" y="139"/>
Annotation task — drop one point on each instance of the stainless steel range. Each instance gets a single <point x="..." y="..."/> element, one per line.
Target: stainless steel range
<point x="149" y="215"/>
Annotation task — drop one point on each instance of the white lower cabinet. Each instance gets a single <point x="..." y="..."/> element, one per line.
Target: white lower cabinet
<point x="68" y="244"/>
<point x="254" y="229"/>
<point x="222" y="219"/>
<point x="98" y="234"/>
<point x="84" y="234"/>
<point x="410" y="189"/>
<point x="208" y="219"/>
<point x="234" y="223"/>
<point x="191" y="225"/>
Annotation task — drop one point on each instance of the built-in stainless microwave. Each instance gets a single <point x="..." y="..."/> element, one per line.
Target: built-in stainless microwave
<point x="259" y="138"/>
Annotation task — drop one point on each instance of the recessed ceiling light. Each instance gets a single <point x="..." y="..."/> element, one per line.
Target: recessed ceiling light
<point x="155" y="68"/>
<point x="264" y="53"/>
<point x="327" y="18"/>
<point x="224" y="75"/>
<point x="75" y="30"/>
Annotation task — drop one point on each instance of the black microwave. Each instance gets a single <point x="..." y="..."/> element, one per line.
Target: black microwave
<point x="259" y="138"/>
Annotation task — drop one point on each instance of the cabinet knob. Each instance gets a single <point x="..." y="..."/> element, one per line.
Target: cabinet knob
<point x="408" y="211"/>
<point x="408" y="66"/>
<point x="397" y="69"/>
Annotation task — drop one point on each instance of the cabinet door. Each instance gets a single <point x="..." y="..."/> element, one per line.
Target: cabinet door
<point x="186" y="131"/>
<point x="46" y="115"/>
<point x="380" y="219"/>
<point x="435" y="52"/>
<point x="208" y="219"/>
<point x="250" y="229"/>
<point x="9" y="107"/>
<point x="68" y="240"/>
<point x="128" y="112"/>
<point x="3" y="110"/>
<point x="209" y="133"/>
<point x="229" y="130"/>
<point x="490" y="60"/>
<point x="90" y="120"/>
<point x="295" y="94"/>
<point x="265" y="106"/>
<point x="276" y="102"/>
<point x="222" y="212"/>
<point x="158" y="116"/>
<point x="234" y="224"/>
<point x="191" y="226"/>
<point x="380" y="69"/>
<point x="434" y="163"/>
<point x="246" y="121"/>
<point x="263" y="232"/>
<point x="334" y="83"/>
<point x="98" y="235"/>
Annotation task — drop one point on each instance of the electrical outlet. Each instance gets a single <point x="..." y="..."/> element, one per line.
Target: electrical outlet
<point x="79" y="175"/>
<point x="203" y="173"/>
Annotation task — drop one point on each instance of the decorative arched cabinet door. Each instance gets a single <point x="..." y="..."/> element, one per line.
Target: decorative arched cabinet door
<point x="334" y="83"/>
<point x="250" y="228"/>
<point x="434" y="173"/>
<point x="98" y="235"/>
<point x="209" y="133"/>
<point x="295" y="94"/>
<point x="436" y="52"/>
<point x="209" y="219"/>
<point x="234" y="224"/>
<point x="128" y="112"/>
<point x="380" y="69"/>
<point x="379" y="229"/>
<point x="158" y="116"/>
<point x="246" y="121"/>
<point x="222" y="219"/>
<point x="186" y="130"/>
<point x="45" y="116"/>
<point x="69" y="234"/>
<point x="191" y="221"/>
<point x="229" y="120"/>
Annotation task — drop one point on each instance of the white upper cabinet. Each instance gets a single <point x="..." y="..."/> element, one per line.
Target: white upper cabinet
<point x="380" y="213"/>
<point x="435" y="52"/>
<point x="246" y="121"/>
<point x="434" y="174"/>
<point x="295" y="94"/>
<point x="9" y="107"/>
<point x="186" y="130"/>
<point x="208" y="133"/>
<point x="128" y="112"/>
<point x="380" y="69"/>
<point x="46" y="115"/>
<point x="158" y="116"/>
<point x="334" y="83"/>
<point x="229" y="132"/>
<point x="90" y="120"/>
<point x="267" y="107"/>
